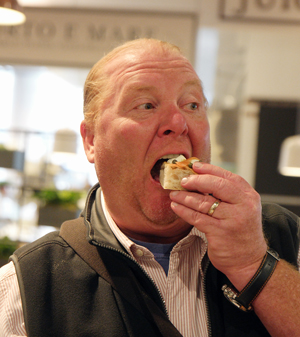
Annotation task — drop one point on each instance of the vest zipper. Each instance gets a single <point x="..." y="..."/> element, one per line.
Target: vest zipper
<point x="144" y="272"/>
<point x="206" y="301"/>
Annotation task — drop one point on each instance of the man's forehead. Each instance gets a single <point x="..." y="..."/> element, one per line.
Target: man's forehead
<point x="139" y="60"/>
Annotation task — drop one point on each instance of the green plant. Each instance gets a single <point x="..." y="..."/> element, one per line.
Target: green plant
<point x="2" y="148"/>
<point x="7" y="247"/>
<point x="3" y="184"/>
<point x="68" y="199"/>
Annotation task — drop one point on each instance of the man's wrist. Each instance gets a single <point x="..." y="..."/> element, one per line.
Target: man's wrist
<point x="242" y="276"/>
<point x="243" y="300"/>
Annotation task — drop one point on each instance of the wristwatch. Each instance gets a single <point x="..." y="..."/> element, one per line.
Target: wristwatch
<point x="243" y="300"/>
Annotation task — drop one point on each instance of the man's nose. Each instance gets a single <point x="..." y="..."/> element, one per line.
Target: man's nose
<point x="173" y="123"/>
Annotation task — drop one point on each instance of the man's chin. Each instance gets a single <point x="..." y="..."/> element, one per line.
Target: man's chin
<point x="163" y="218"/>
<point x="161" y="214"/>
<point x="156" y="207"/>
<point x="168" y="227"/>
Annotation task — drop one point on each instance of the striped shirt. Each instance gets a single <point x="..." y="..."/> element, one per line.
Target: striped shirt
<point x="11" y="314"/>
<point x="181" y="290"/>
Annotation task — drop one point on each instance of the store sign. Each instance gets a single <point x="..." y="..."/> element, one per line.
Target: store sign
<point x="74" y="37"/>
<point x="261" y="10"/>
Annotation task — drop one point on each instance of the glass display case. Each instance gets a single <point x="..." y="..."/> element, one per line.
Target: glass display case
<point x="43" y="180"/>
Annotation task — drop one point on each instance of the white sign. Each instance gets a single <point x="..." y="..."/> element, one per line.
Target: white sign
<point x="80" y="37"/>
<point x="261" y="10"/>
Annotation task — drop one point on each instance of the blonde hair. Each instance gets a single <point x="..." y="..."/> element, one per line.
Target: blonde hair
<point x="96" y="88"/>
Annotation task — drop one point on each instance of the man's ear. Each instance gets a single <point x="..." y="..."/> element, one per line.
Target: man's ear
<point x="88" y="141"/>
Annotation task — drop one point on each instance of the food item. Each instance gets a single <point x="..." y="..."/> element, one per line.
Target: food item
<point x="173" y="170"/>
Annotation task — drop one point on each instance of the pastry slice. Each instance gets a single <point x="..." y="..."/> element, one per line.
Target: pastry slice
<point x="173" y="170"/>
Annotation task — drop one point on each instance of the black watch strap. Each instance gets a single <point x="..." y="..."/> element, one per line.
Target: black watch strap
<point x="244" y="299"/>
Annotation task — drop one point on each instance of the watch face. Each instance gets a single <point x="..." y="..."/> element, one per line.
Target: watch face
<point x="273" y="253"/>
<point x="232" y="297"/>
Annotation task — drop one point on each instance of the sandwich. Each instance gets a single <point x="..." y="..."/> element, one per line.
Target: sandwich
<point x="174" y="169"/>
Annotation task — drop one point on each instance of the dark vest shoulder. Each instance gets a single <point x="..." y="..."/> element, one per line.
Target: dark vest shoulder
<point x="282" y="229"/>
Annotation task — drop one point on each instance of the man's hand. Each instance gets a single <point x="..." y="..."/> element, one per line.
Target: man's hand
<point x="236" y="243"/>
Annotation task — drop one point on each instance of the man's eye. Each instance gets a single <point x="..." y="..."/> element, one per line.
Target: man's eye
<point x="146" y="106"/>
<point x="193" y="106"/>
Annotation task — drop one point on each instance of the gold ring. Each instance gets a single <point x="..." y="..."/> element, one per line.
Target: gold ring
<point x="213" y="208"/>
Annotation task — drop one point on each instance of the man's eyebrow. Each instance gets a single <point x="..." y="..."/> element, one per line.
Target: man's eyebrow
<point x="191" y="83"/>
<point x="134" y="88"/>
<point x="198" y="84"/>
<point x="140" y="88"/>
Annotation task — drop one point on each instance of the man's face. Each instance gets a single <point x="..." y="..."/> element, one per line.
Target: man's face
<point x="157" y="108"/>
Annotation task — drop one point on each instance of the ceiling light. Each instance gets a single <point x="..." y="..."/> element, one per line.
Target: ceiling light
<point x="289" y="160"/>
<point x="11" y="13"/>
<point x="65" y="146"/>
<point x="65" y="141"/>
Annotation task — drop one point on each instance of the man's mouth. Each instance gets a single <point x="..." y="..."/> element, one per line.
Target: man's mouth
<point x="157" y="166"/>
<point x="156" y="169"/>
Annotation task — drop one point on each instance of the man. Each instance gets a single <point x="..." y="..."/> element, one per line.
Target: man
<point x="144" y="101"/>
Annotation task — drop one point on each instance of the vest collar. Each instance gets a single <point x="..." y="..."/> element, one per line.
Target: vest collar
<point x="99" y="232"/>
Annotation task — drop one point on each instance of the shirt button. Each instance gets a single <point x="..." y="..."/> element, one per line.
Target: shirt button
<point x="139" y="252"/>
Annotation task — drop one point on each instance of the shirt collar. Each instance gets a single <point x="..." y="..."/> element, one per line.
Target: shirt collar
<point x="130" y="246"/>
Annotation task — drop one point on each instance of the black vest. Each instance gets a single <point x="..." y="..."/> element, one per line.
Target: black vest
<point x="63" y="294"/>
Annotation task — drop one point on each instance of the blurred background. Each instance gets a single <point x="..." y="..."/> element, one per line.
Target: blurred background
<point x="246" y="53"/>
